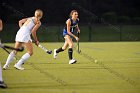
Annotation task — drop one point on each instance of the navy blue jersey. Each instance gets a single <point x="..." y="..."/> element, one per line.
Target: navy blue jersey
<point x="72" y="26"/>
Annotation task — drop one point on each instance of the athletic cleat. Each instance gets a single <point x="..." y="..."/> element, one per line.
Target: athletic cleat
<point x="49" y="52"/>
<point x="5" y="67"/>
<point x="18" y="67"/>
<point x="55" y="54"/>
<point x="2" y="85"/>
<point x="72" y="61"/>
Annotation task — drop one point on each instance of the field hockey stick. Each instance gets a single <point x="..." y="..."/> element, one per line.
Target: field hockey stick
<point x="78" y="49"/>
<point x="45" y="49"/>
<point x="9" y="53"/>
<point x="5" y="50"/>
<point x="12" y="48"/>
<point x="8" y="47"/>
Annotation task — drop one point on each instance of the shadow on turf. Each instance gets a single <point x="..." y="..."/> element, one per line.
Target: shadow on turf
<point x="58" y="80"/>
<point x="109" y="69"/>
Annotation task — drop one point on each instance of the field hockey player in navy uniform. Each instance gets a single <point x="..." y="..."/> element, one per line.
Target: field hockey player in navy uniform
<point x="68" y="33"/>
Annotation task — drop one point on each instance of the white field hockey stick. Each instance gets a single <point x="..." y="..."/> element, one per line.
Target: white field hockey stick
<point x="45" y="49"/>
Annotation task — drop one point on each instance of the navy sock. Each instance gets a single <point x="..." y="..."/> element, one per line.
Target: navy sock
<point x="59" y="50"/>
<point x="70" y="52"/>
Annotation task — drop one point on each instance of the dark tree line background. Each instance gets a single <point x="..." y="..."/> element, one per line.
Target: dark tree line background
<point x="57" y="11"/>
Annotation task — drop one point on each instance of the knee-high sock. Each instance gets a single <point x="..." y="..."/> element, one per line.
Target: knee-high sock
<point x="1" y="73"/>
<point x="23" y="59"/>
<point x="59" y="50"/>
<point x="70" y="52"/>
<point x="10" y="58"/>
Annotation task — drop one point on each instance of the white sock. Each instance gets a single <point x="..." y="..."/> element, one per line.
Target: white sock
<point x="10" y="58"/>
<point x="23" y="58"/>
<point x="1" y="73"/>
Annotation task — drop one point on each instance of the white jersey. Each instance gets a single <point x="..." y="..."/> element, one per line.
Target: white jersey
<point x="28" y="25"/>
<point x="23" y="35"/>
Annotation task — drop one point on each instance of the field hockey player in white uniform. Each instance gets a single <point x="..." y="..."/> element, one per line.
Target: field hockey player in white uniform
<point x="27" y="26"/>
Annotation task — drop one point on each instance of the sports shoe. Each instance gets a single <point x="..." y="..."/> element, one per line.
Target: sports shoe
<point x="2" y="85"/>
<point x="72" y="61"/>
<point x="18" y="67"/>
<point x="55" y="54"/>
<point x="5" y="67"/>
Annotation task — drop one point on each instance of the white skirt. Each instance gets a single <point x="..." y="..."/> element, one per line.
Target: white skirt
<point x="21" y="36"/>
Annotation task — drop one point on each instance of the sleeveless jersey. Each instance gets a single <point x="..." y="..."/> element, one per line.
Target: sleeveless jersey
<point x="72" y="26"/>
<point x="28" y="25"/>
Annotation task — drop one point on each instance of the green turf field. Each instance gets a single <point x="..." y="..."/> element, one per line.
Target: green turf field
<point x="117" y="70"/>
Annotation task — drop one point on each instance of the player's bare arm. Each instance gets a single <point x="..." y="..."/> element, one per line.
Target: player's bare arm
<point x="1" y="25"/>
<point x="34" y="32"/>
<point x="78" y="29"/>
<point x="22" y="21"/>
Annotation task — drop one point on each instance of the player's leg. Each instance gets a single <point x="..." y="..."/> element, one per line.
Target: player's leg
<point x="12" y="55"/>
<point x="56" y="51"/>
<point x="2" y="84"/>
<point x="70" y="50"/>
<point x="26" y="56"/>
